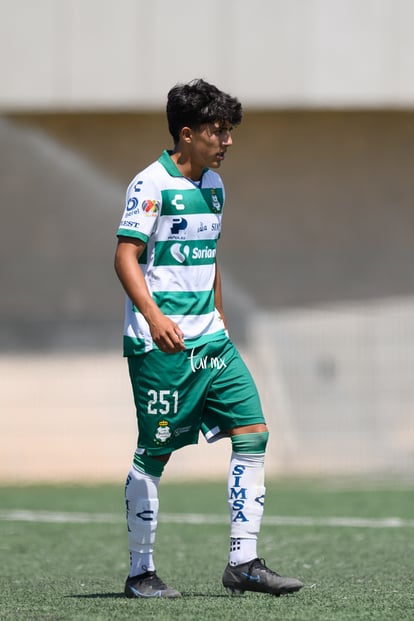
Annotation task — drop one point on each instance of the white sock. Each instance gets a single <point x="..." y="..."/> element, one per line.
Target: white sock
<point x="141" y="497"/>
<point x="242" y="550"/>
<point x="246" y="493"/>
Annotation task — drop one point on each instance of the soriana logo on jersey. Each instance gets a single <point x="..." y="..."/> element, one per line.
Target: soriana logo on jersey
<point x="191" y="253"/>
<point x="150" y="207"/>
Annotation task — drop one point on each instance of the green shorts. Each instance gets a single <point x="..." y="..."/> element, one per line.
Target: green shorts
<point x="208" y="389"/>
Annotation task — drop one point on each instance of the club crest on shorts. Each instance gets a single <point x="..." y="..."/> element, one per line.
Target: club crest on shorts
<point x="163" y="433"/>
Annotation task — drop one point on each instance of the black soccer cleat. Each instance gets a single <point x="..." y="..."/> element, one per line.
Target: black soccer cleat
<point x="148" y="585"/>
<point x="255" y="576"/>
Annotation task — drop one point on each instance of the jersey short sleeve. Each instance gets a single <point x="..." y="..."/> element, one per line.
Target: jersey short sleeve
<point x="142" y="208"/>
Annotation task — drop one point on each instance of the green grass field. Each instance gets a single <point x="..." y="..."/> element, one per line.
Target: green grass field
<point x="64" y="556"/>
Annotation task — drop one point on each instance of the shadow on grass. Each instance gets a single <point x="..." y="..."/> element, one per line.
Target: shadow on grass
<point x="122" y="596"/>
<point x="96" y="596"/>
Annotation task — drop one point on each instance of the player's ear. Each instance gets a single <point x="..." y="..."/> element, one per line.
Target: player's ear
<point x="186" y="134"/>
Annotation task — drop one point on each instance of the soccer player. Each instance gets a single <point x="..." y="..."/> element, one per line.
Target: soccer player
<point x="187" y="376"/>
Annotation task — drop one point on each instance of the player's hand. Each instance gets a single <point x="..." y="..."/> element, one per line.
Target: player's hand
<point x="167" y="335"/>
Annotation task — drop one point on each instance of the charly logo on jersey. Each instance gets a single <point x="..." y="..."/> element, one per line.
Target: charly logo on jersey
<point x="178" y="227"/>
<point x="150" y="207"/>
<point x="177" y="201"/>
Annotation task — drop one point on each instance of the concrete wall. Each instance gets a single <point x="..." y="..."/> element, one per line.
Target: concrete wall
<point x="338" y="386"/>
<point x="89" y="54"/>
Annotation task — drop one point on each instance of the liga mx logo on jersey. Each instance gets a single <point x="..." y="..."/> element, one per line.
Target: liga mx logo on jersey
<point x="150" y="207"/>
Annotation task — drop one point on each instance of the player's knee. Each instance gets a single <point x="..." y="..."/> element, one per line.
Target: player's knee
<point x="149" y="464"/>
<point x="250" y="443"/>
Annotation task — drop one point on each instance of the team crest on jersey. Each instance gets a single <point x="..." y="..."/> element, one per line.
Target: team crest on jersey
<point x="150" y="207"/>
<point x="163" y="433"/>
<point x="215" y="203"/>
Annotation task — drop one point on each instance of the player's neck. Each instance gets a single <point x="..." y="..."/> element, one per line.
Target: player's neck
<point x="186" y="166"/>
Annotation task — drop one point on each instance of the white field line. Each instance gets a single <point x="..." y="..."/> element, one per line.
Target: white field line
<point x="18" y="515"/>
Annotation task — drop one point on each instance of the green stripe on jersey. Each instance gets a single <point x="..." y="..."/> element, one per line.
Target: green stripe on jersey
<point x="199" y="252"/>
<point x="194" y="201"/>
<point x="184" y="302"/>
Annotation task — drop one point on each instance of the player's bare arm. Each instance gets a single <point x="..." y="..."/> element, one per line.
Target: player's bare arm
<point x="218" y="298"/>
<point x="166" y="334"/>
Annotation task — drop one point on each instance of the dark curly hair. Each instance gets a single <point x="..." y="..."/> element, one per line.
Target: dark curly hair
<point x="198" y="102"/>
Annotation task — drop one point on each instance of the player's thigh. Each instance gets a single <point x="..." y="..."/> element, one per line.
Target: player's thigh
<point x="233" y="399"/>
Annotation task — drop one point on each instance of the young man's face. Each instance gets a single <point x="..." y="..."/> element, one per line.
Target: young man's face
<point x="209" y="144"/>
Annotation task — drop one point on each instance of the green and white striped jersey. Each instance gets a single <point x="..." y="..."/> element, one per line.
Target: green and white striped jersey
<point x="180" y="223"/>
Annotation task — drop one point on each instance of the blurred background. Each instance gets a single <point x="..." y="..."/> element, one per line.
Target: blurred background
<point x="317" y="249"/>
